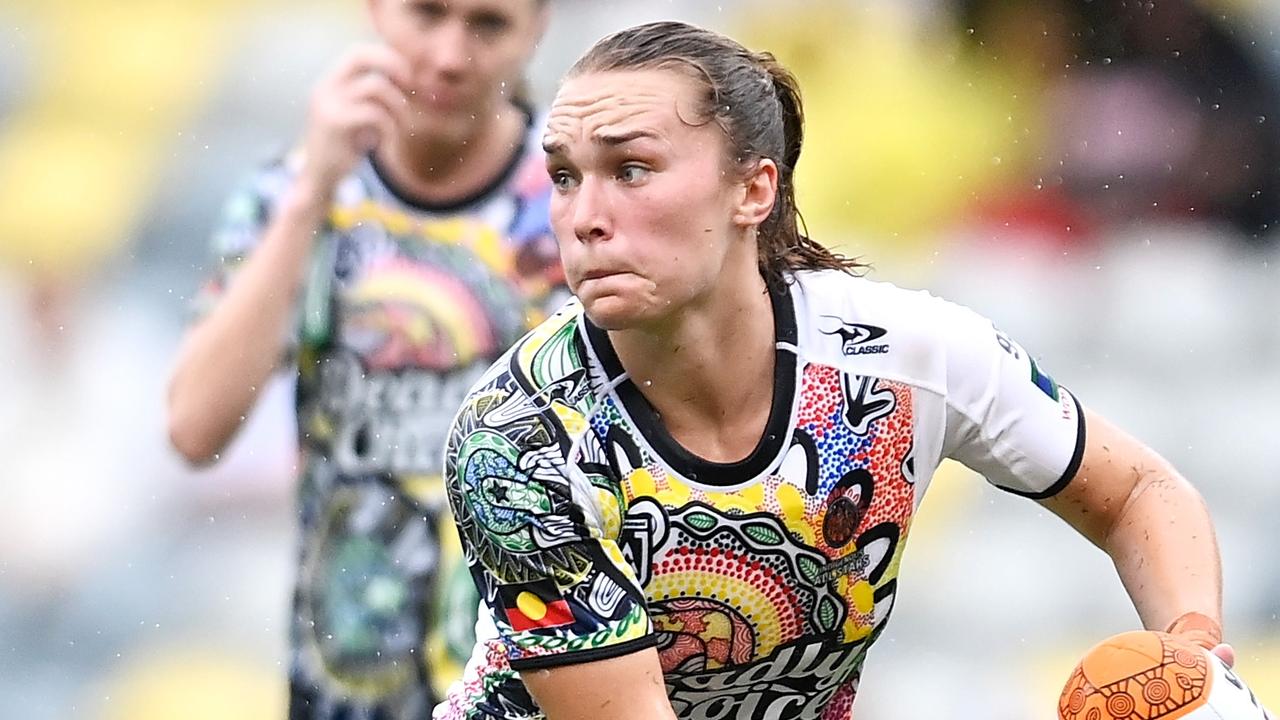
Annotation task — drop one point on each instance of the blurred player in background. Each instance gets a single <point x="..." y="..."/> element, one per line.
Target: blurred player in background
<point x="688" y="493"/>
<point x="386" y="262"/>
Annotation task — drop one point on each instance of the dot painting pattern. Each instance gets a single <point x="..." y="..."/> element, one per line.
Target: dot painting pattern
<point x="739" y="573"/>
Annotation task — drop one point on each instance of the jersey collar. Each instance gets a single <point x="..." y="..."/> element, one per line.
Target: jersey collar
<point x="772" y="442"/>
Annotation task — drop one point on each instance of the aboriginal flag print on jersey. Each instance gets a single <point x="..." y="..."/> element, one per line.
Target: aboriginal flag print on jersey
<point x="530" y="606"/>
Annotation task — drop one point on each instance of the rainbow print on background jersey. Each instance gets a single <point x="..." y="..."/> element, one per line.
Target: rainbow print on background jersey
<point x="404" y="306"/>
<point x="402" y="314"/>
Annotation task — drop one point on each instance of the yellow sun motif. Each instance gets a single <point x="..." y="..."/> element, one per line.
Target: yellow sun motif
<point x="747" y="500"/>
<point x="665" y="490"/>
<point x="793" y="514"/>
<point x="861" y="596"/>
<point x="407" y="286"/>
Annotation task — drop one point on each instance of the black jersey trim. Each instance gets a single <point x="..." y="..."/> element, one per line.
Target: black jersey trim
<point x="1077" y="456"/>
<point x="501" y="179"/>
<point x="578" y="657"/>
<point x="772" y="442"/>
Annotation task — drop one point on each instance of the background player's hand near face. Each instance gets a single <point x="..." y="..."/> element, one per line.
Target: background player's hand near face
<point x="353" y="109"/>
<point x="363" y="100"/>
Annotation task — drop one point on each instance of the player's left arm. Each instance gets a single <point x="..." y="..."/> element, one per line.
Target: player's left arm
<point x="1027" y="435"/>
<point x="1133" y="504"/>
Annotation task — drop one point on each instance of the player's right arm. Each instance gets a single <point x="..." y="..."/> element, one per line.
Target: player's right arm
<point x="622" y="688"/>
<point x="542" y="541"/>
<point x="231" y="352"/>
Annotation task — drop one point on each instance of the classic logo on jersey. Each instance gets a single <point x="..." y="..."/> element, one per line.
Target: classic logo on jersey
<point x="530" y="606"/>
<point x="856" y="338"/>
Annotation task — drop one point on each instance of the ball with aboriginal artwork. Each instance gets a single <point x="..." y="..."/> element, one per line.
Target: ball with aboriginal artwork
<point x="1155" y="676"/>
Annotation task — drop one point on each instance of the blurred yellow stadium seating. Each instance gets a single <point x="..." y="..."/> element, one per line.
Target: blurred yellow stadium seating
<point x="112" y="85"/>
<point x="192" y="685"/>
<point x="899" y="137"/>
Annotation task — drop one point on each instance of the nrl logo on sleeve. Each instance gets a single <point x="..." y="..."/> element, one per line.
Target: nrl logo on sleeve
<point x="855" y="338"/>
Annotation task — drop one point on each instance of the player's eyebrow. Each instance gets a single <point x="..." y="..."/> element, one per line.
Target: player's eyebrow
<point x="615" y="139"/>
<point x="553" y="146"/>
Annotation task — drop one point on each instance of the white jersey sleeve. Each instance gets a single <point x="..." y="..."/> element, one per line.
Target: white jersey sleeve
<point x="1005" y="417"/>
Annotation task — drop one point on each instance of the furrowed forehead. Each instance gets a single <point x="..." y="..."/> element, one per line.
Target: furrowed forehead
<point x="612" y="109"/>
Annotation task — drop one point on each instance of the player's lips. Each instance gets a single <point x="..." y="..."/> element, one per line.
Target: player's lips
<point x="598" y="274"/>
<point x="441" y="97"/>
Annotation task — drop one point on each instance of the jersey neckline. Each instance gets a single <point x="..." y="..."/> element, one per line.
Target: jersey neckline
<point x="697" y="469"/>
<point x="498" y="182"/>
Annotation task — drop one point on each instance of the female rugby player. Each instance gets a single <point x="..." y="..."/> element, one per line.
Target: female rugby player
<point x="687" y="494"/>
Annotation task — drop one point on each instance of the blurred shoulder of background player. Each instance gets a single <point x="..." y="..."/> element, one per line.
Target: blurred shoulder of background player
<point x="431" y="103"/>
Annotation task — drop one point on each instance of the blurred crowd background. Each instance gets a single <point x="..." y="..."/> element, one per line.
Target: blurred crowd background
<point x="1102" y="178"/>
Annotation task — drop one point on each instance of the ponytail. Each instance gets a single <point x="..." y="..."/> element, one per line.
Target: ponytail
<point x="784" y="241"/>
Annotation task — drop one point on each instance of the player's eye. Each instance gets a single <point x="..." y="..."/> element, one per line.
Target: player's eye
<point x="429" y="12"/>
<point x="562" y="180"/>
<point x="488" y="25"/>
<point x="632" y="173"/>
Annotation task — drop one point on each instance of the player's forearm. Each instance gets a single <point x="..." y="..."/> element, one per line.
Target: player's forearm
<point x="629" y="687"/>
<point x="230" y="354"/>
<point x="1165" y="550"/>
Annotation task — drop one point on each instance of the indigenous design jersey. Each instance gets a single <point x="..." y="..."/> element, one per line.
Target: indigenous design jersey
<point x="404" y="308"/>
<point x="591" y="533"/>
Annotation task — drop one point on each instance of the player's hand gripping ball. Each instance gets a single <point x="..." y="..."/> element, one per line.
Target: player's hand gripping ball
<point x="1155" y="676"/>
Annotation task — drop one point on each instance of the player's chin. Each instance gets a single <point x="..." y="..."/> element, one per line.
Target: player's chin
<point x="454" y="125"/>
<point x="613" y="311"/>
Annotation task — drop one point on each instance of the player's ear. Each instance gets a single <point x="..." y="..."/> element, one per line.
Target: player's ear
<point x="759" y="192"/>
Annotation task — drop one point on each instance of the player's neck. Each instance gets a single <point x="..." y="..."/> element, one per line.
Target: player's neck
<point x="442" y="170"/>
<point x="709" y="375"/>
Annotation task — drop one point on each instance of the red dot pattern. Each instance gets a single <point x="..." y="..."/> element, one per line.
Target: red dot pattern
<point x="895" y="497"/>
<point x="821" y="399"/>
<point x="458" y="704"/>
<point x="882" y="451"/>
<point x="840" y="706"/>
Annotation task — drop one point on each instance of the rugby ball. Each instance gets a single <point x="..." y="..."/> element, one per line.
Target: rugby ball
<point x="1155" y="676"/>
